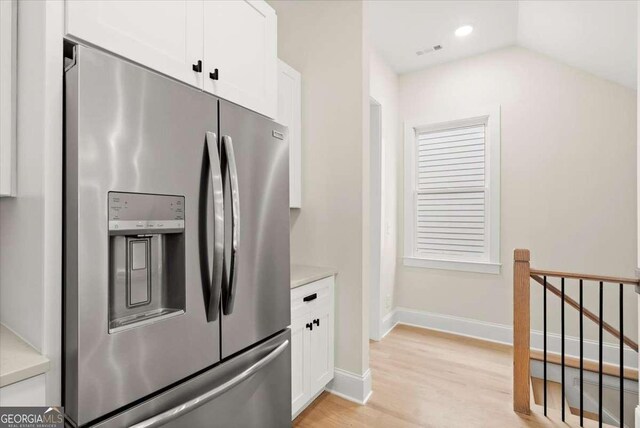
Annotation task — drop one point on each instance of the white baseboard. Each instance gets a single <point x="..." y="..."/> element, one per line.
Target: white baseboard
<point x="637" y="416"/>
<point x="501" y="333"/>
<point x="350" y="386"/>
<point x="388" y="322"/>
<point x="456" y="325"/>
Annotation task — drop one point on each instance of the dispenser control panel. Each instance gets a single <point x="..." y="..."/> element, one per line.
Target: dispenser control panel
<point x="145" y="213"/>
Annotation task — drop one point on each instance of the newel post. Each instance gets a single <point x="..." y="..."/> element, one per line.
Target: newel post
<point x="521" y="329"/>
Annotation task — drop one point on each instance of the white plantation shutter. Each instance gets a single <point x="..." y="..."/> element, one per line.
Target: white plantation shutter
<point x="450" y="193"/>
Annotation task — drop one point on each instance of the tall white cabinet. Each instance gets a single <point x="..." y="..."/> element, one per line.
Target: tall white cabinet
<point x="312" y="346"/>
<point x="290" y="115"/>
<point x="188" y="40"/>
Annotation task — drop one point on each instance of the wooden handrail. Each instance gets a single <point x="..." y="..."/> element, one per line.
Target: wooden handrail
<point x="586" y="277"/>
<point x="587" y="313"/>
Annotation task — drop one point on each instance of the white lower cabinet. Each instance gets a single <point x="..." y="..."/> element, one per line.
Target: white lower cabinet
<point x="312" y="318"/>
<point x="28" y="392"/>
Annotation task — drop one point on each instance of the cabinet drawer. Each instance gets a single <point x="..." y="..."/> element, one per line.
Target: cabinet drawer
<point x="311" y="297"/>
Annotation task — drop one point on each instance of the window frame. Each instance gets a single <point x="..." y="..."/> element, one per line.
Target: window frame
<point x="490" y="263"/>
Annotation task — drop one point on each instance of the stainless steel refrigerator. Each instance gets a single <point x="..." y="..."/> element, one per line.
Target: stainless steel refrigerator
<point x="176" y="252"/>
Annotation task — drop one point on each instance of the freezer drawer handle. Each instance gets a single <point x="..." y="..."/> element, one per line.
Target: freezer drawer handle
<point x="191" y="405"/>
<point x="310" y="297"/>
<point x="218" y="226"/>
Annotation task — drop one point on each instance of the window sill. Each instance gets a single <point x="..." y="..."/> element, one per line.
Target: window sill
<point x="463" y="266"/>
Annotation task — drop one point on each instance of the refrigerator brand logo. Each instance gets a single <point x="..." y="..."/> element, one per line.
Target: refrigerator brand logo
<point x="31" y="417"/>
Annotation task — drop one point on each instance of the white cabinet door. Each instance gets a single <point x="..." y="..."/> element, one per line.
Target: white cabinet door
<point x="163" y="35"/>
<point x="299" y="363"/>
<point x="320" y="350"/>
<point x="290" y="115"/>
<point x="240" y="42"/>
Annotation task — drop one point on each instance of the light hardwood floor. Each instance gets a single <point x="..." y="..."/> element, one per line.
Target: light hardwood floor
<point x="423" y="378"/>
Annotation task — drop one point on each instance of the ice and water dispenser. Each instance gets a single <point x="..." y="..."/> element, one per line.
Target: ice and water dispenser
<point x="146" y="259"/>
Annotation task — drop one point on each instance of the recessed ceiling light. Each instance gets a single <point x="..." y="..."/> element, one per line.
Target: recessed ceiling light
<point x="465" y="30"/>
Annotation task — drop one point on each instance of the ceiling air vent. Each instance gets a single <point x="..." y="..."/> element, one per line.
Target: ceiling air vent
<point x="428" y="50"/>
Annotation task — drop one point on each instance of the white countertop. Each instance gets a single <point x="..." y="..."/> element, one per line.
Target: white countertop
<point x="301" y="274"/>
<point x="18" y="360"/>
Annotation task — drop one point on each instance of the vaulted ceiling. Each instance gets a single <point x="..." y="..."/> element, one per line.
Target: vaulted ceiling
<point x="599" y="37"/>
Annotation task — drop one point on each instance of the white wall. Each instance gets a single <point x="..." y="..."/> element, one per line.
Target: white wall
<point x="324" y="41"/>
<point x="568" y="182"/>
<point x="31" y="223"/>
<point x="384" y="89"/>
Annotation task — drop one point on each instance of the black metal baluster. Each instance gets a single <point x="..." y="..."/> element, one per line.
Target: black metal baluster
<point x="562" y="344"/>
<point x="621" y="361"/>
<point x="581" y="358"/>
<point x="600" y="359"/>
<point x="544" y="340"/>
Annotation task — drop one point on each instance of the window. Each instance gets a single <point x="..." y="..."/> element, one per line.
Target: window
<point x="452" y="194"/>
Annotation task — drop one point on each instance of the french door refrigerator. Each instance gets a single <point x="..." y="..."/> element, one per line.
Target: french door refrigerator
<point x="176" y="253"/>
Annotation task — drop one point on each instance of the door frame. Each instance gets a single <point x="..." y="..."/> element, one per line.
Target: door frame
<point x="375" y="223"/>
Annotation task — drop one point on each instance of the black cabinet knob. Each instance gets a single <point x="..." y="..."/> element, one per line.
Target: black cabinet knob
<point x="214" y="75"/>
<point x="197" y="67"/>
<point x="310" y="326"/>
<point x="317" y="322"/>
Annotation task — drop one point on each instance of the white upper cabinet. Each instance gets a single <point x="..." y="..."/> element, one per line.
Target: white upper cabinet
<point x="238" y="38"/>
<point x="163" y="35"/>
<point x="290" y="115"/>
<point x="240" y="41"/>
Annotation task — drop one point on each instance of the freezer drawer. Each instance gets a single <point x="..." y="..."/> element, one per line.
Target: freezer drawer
<point x="253" y="389"/>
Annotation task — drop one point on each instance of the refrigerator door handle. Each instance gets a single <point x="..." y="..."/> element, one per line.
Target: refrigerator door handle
<point x="230" y="161"/>
<point x="193" y="404"/>
<point x="218" y="226"/>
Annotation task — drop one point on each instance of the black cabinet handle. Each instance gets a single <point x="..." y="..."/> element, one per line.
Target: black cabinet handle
<point x="310" y="297"/>
<point x="214" y="75"/>
<point x="197" y="67"/>
<point x="317" y="322"/>
<point x="309" y="326"/>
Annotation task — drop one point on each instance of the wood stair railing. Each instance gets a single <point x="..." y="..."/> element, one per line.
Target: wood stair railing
<point x="522" y="353"/>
